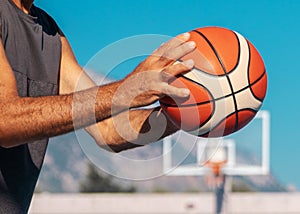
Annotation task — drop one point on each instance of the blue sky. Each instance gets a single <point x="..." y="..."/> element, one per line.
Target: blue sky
<point x="272" y="26"/>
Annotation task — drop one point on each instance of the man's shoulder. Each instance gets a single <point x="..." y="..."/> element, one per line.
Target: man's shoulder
<point x="40" y="13"/>
<point x="3" y="6"/>
<point x="45" y="20"/>
<point x="37" y="11"/>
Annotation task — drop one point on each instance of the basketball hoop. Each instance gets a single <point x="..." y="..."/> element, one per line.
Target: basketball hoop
<point x="216" y="178"/>
<point x="216" y="167"/>
<point x="216" y="157"/>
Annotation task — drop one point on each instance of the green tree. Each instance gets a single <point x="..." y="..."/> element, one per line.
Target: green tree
<point x="97" y="182"/>
<point x="241" y="186"/>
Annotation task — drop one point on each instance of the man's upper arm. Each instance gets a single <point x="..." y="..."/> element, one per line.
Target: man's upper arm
<point x="72" y="76"/>
<point x="8" y="86"/>
<point x="0" y="28"/>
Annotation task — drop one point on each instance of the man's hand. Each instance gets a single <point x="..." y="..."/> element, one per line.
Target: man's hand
<point x="149" y="81"/>
<point x="25" y="119"/>
<point x="145" y="85"/>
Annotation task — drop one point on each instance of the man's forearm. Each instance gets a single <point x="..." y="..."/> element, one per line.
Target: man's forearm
<point x="132" y="129"/>
<point x="26" y="119"/>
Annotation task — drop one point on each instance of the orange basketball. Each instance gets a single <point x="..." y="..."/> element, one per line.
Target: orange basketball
<point x="228" y="84"/>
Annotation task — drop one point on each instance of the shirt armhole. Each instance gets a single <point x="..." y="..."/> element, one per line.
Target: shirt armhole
<point x="0" y="27"/>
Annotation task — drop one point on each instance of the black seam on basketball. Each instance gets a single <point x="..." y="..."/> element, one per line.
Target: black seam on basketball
<point x="248" y="68"/>
<point x="226" y="74"/>
<point x="252" y="84"/>
<point x="206" y="121"/>
<point x="248" y="109"/>
<point x="248" y="72"/>
<point x="239" y="53"/>
<point x="215" y="99"/>
<point x="208" y="73"/>
<point x="197" y="83"/>
<point x="222" y="120"/>
<point x="188" y="105"/>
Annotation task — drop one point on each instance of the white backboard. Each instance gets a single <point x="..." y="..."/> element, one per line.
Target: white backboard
<point x="247" y="151"/>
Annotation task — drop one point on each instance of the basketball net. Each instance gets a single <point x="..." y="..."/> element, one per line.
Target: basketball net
<point x="216" y="178"/>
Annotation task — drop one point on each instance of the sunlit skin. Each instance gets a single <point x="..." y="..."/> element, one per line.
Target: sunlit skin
<point x="26" y="119"/>
<point x="24" y="5"/>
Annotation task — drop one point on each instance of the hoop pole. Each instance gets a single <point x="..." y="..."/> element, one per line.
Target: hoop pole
<point x="221" y="194"/>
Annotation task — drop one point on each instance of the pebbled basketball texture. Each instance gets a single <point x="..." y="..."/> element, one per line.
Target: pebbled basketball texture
<point x="228" y="84"/>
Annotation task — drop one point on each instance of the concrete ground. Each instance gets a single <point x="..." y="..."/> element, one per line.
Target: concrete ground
<point x="250" y="203"/>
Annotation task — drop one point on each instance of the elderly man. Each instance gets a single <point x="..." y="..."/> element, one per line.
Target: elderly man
<point x="44" y="92"/>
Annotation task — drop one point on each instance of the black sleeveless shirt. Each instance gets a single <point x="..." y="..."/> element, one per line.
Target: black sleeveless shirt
<point x="33" y="48"/>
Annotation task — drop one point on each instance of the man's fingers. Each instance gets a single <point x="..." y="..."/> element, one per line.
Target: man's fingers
<point x="174" y="92"/>
<point x="180" y="51"/>
<point x="171" y="51"/>
<point x="176" y="41"/>
<point x="173" y="70"/>
<point x="172" y="55"/>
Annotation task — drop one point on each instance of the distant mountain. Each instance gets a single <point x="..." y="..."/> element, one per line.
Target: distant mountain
<point x="65" y="167"/>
